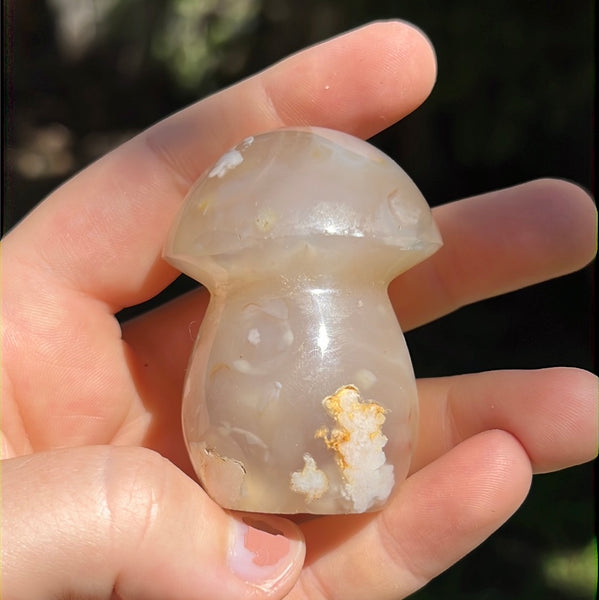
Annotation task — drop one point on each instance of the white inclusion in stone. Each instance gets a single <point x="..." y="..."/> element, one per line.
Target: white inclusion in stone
<point x="254" y="336"/>
<point x="358" y="441"/>
<point x="288" y="338"/>
<point x="310" y="481"/>
<point x="247" y="142"/>
<point x="243" y="366"/>
<point x="365" y="379"/>
<point x="227" y="162"/>
<point x="249" y="437"/>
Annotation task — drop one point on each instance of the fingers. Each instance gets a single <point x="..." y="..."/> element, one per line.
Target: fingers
<point x="496" y="243"/>
<point x="552" y="413"/>
<point x="102" y="232"/>
<point x="438" y="515"/>
<point x="125" y="523"/>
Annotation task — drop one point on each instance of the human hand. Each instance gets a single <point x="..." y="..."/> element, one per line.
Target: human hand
<point x="90" y="507"/>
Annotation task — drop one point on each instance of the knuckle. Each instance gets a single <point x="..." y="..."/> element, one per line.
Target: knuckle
<point x="135" y="482"/>
<point x="400" y="558"/>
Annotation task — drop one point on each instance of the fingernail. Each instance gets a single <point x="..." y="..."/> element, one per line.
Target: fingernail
<point x="264" y="549"/>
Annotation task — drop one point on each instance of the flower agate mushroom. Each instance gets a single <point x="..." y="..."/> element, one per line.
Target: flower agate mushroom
<point x="300" y="395"/>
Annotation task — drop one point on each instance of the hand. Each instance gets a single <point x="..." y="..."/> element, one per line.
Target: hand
<point x="98" y="495"/>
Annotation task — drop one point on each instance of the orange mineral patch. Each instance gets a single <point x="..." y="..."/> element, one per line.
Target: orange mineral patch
<point x="358" y="442"/>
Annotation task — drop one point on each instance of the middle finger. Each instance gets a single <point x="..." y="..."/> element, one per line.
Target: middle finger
<point x="544" y="409"/>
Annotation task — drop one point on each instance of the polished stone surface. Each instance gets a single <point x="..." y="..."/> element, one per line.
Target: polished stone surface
<point x="300" y="395"/>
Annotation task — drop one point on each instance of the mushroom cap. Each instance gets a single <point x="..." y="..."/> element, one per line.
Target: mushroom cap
<point x="283" y="195"/>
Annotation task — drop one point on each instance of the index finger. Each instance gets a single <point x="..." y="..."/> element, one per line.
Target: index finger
<point x="102" y="232"/>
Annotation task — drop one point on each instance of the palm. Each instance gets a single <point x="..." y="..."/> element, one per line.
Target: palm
<point x="73" y="377"/>
<point x="86" y="386"/>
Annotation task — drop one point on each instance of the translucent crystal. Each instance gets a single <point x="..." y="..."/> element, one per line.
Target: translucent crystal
<point x="300" y="395"/>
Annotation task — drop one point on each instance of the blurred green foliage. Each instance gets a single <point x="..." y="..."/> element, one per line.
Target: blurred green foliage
<point x="513" y="102"/>
<point x="192" y="32"/>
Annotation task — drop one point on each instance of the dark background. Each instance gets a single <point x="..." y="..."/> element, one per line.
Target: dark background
<point x="513" y="102"/>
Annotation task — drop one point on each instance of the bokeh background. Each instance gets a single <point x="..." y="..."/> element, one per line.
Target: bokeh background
<point x="514" y="101"/>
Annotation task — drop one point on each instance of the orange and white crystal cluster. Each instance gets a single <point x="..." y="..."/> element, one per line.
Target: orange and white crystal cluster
<point x="357" y="441"/>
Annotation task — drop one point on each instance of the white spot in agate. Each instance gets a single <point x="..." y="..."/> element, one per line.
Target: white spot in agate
<point x="358" y="443"/>
<point x="407" y="211"/>
<point x="288" y="337"/>
<point x="226" y="162"/>
<point x="250" y="438"/>
<point x="310" y="481"/>
<point x="365" y="379"/>
<point x="254" y="336"/>
<point x="275" y="394"/>
<point x="243" y="366"/>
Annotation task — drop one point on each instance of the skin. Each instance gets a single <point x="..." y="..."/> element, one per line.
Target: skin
<point x="99" y="499"/>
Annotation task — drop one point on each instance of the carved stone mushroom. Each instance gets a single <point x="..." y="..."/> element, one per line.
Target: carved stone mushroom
<point x="300" y="394"/>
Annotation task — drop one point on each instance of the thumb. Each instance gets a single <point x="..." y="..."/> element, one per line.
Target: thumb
<point x="114" y="521"/>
